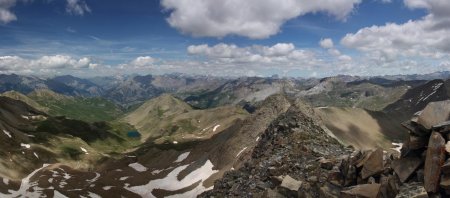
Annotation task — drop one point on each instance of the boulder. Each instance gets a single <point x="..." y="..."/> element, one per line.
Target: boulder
<point x="412" y="190"/>
<point x="434" y="113"/>
<point x="405" y="167"/>
<point x="290" y="186"/>
<point x="373" y="165"/>
<point x="362" y="191"/>
<point x="433" y="162"/>
<point x="389" y="186"/>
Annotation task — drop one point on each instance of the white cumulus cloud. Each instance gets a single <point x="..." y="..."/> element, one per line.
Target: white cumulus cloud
<point x="428" y="37"/>
<point x="326" y="43"/>
<point x="16" y="64"/>
<point x="143" y="61"/>
<point x="255" y="19"/>
<point x="230" y="53"/>
<point x="77" y="7"/>
<point x="6" y="15"/>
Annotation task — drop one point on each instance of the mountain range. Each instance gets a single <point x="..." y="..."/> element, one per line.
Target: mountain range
<point x="179" y="135"/>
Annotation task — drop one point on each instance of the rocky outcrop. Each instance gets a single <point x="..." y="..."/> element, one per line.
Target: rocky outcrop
<point x="291" y="147"/>
<point x="292" y="157"/>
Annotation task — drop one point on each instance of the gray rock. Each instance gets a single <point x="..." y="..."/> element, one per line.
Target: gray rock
<point x="434" y="161"/>
<point x="373" y="165"/>
<point x="405" y="167"/>
<point x="290" y="186"/>
<point x="362" y="191"/>
<point x="389" y="186"/>
<point x="434" y="114"/>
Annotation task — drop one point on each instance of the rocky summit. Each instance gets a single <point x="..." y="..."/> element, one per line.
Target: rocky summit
<point x="296" y="158"/>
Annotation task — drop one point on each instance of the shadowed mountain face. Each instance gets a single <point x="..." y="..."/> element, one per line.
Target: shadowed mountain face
<point x="83" y="86"/>
<point x="27" y="84"/>
<point x="373" y="94"/>
<point x="133" y="91"/>
<point x="239" y="91"/>
<point x="363" y="129"/>
<point x="418" y="97"/>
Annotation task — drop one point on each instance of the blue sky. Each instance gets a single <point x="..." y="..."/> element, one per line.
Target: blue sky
<point x="224" y="37"/>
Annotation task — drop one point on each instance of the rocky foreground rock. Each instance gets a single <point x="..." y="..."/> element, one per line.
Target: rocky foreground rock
<point x="296" y="158"/>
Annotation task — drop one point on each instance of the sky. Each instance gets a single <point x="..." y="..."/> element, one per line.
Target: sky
<point x="298" y="38"/>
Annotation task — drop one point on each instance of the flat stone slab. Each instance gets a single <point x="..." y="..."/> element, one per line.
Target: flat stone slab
<point x="290" y="184"/>
<point x="363" y="190"/>
<point x="434" y="114"/>
<point x="405" y="167"/>
<point x="373" y="165"/>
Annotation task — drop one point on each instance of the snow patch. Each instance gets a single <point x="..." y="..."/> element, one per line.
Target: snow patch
<point x="107" y="187"/>
<point x="138" y="167"/>
<point x="171" y="182"/>
<point x="36" y="155"/>
<point x="7" y="133"/>
<point x="257" y="138"/>
<point x="97" y="175"/>
<point x="57" y="194"/>
<point x="66" y="176"/>
<point x="84" y="150"/>
<point x="25" y="185"/>
<point x="93" y="195"/>
<point x="182" y="157"/>
<point x="241" y="151"/>
<point x="175" y="142"/>
<point x="123" y="178"/>
<point x="215" y="127"/>
<point x="25" y="145"/>
<point x="62" y="184"/>
<point x="156" y="172"/>
<point x="397" y="147"/>
<point x="6" y="181"/>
